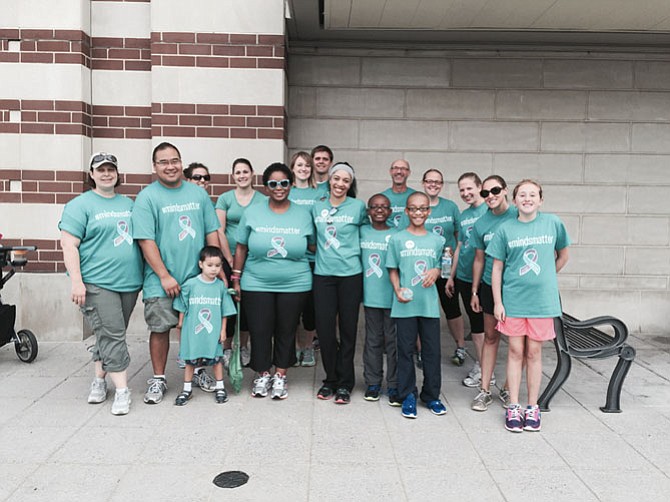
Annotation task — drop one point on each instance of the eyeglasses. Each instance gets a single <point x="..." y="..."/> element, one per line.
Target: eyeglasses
<point x="494" y="191"/>
<point x="422" y="209"/>
<point x="379" y="206"/>
<point x="198" y="177"/>
<point x="273" y="184"/>
<point x="104" y="157"/>
<point x="399" y="168"/>
<point x="331" y="213"/>
<point x="171" y="162"/>
<point x="433" y="182"/>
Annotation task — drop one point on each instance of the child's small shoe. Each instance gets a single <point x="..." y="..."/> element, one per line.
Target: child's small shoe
<point x="221" y="396"/>
<point x="394" y="397"/>
<point x="409" y="406"/>
<point x="532" y="419"/>
<point x="514" y="418"/>
<point x="437" y="407"/>
<point x="183" y="398"/>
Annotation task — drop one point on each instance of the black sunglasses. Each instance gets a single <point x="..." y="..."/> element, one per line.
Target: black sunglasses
<point x="494" y="191"/>
<point x="198" y="177"/>
<point x="273" y="184"/>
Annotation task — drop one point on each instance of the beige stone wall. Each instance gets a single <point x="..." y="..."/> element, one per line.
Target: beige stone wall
<point x="593" y="128"/>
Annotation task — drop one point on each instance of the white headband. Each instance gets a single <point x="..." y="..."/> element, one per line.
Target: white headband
<point x="340" y="166"/>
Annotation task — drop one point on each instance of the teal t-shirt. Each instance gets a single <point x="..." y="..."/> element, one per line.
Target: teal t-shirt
<point x="306" y="197"/>
<point x="277" y="249"/>
<point x="529" y="282"/>
<point x="413" y="255"/>
<point x="398" y="203"/>
<point x="204" y="305"/>
<point x="108" y="255"/>
<point x="443" y="221"/>
<point x="338" y="249"/>
<point x="178" y="220"/>
<point x="466" y="255"/>
<point x="323" y="187"/>
<point x="228" y="202"/>
<point x="484" y="230"/>
<point x="377" y="288"/>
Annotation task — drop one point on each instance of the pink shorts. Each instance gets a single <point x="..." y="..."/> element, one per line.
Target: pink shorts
<point x="538" y="329"/>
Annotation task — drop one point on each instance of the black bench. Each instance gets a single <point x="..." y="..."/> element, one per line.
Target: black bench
<point x="581" y="339"/>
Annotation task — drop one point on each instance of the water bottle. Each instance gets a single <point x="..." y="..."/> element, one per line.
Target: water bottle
<point x="446" y="263"/>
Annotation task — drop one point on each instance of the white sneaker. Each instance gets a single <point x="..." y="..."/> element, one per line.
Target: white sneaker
<point x="262" y="384"/>
<point x="279" y="390"/>
<point x="245" y="356"/>
<point x="157" y="388"/>
<point x="474" y="378"/>
<point x="121" y="404"/>
<point x="202" y="380"/>
<point x="98" y="392"/>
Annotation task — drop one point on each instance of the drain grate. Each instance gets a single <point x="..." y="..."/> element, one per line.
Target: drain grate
<point x="231" y="479"/>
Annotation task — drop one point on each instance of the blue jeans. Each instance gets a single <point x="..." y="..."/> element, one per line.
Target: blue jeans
<point x="428" y="331"/>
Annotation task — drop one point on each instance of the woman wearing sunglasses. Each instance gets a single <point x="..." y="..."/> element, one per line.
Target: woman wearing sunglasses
<point x="229" y="208"/>
<point x="305" y="193"/>
<point x="338" y="281"/>
<point x="494" y="193"/>
<point x="199" y="174"/>
<point x="105" y="268"/>
<point x="272" y="273"/>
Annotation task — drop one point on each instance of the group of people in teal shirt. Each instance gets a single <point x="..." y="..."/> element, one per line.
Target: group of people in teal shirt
<point x="310" y="250"/>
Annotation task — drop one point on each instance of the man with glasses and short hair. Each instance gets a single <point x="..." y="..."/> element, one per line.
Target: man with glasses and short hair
<point x="399" y="191"/>
<point x="172" y="221"/>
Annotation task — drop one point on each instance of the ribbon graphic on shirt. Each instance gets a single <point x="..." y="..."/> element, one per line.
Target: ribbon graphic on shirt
<point x="124" y="236"/>
<point x="420" y="267"/>
<point x="186" y="228"/>
<point x="396" y="219"/>
<point x="437" y="229"/>
<point x="277" y="243"/>
<point x="466" y="241"/>
<point x="331" y="237"/>
<point x="374" y="260"/>
<point x="204" y="316"/>
<point x="530" y="260"/>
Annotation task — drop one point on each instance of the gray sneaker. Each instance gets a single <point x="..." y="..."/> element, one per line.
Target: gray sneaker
<point x="245" y="356"/>
<point x="121" y="404"/>
<point x="481" y="401"/>
<point x="279" y="390"/>
<point x="505" y="398"/>
<point x="308" y="358"/>
<point x="204" y="381"/>
<point x="474" y="378"/>
<point x="98" y="392"/>
<point x="262" y="384"/>
<point x="157" y="387"/>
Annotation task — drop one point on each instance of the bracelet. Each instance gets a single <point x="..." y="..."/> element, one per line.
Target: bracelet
<point x="474" y="293"/>
<point x="237" y="271"/>
<point x="235" y="277"/>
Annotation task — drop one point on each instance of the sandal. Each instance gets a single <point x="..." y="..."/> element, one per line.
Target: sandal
<point x="183" y="398"/>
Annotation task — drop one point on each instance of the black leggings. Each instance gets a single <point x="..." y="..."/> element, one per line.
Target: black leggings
<point x="337" y="302"/>
<point x="272" y="325"/>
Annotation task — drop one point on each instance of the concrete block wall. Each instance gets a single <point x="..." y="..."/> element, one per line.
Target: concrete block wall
<point x="594" y="128"/>
<point x="121" y="76"/>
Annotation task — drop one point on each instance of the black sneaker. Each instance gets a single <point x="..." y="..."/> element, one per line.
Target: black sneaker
<point x="342" y="396"/>
<point x="325" y="393"/>
<point x="394" y="398"/>
<point x="183" y="398"/>
<point x="372" y="393"/>
<point x="221" y="396"/>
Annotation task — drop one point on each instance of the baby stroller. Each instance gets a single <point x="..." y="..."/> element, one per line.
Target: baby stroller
<point x="24" y="340"/>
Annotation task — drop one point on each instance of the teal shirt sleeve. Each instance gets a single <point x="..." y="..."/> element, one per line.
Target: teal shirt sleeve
<point x="144" y="219"/>
<point x="74" y="219"/>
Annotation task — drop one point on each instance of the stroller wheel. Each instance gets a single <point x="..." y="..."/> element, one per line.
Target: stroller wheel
<point x="26" y="346"/>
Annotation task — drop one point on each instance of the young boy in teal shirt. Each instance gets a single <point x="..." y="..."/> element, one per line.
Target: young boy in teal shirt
<point x="413" y="261"/>
<point x="380" y="332"/>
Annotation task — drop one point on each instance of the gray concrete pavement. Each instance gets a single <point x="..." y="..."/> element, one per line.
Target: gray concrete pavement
<point x="54" y="446"/>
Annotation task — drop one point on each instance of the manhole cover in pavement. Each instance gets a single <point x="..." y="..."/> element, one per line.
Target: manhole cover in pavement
<point x="231" y="479"/>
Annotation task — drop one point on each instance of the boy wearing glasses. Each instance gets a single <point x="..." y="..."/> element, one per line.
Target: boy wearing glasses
<point x="172" y="220"/>
<point x="380" y="333"/>
<point x="414" y="265"/>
